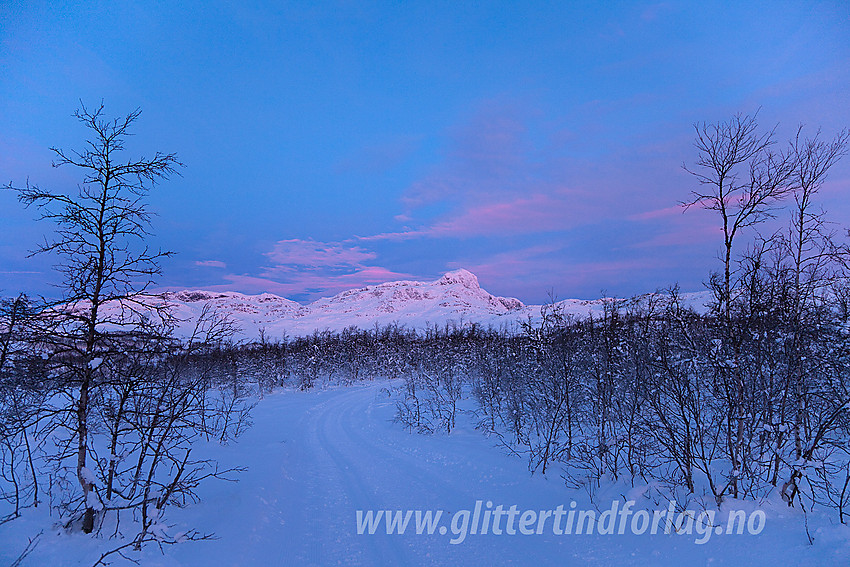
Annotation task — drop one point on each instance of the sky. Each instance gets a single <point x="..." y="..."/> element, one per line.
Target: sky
<point x="331" y="145"/>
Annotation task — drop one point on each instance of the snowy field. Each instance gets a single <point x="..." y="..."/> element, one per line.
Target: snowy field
<point x="314" y="458"/>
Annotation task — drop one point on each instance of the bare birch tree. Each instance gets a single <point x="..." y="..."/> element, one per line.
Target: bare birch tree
<point x="100" y="246"/>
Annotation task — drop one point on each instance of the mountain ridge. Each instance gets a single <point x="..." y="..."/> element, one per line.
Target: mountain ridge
<point x="456" y="298"/>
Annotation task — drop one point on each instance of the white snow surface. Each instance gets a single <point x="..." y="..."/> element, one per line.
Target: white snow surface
<point x="314" y="458"/>
<point x="88" y="476"/>
<point x="454" y="299"/>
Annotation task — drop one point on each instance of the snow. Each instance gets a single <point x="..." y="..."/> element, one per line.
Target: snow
<point x="93" y="502"/>
<point x="463" y="277"/>
<point x="315" y="458"/>
<point x="456" y="298"/>
<point x="88" y="476"/>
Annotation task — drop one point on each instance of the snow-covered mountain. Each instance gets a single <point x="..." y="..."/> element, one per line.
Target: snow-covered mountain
<point x="456" y="298"/>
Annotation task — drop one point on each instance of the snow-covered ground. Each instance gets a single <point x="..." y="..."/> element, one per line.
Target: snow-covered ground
<point x="315" y="458"/>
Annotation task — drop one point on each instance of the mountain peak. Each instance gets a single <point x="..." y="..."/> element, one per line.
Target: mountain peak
<point x="464" y="277"/>
<point x="455" y="298"/>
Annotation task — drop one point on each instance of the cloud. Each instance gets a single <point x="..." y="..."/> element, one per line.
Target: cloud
<point x="664" y="213"/>
<point x="677" y="227"/>
<point x="505" y="171"/>
<point x="536" y="213"/>
<point x="532" y="214"/>
<point x="535" y="269"/>
<point x="299" y="253"/>
<point x="307" y="269"/>
<point x="308" y="286"/>
<point x="245" y="283"/>
<point x="678" y="236"/>
<point x="525" y="263"/>
<point x="487" y="157"/>
<point x="527" y="205"/>
<point x="211" y="263"/>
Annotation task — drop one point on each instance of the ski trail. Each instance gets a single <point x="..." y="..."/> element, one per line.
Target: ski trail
<point x="360" y="490"/>
<point x="315" y="458"/>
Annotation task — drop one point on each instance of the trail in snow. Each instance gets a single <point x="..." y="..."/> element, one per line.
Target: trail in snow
<point x="315" y="458"/>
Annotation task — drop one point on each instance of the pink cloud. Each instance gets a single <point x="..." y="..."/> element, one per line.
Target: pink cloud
<point x="560" y="209"/>
<point x="504" y="172"/>
<point x="666" y="212"/>
<point x="311" y="284"/>
<point x="684" y="235"/>
<point x="251" y="285"/>
<point x="533" y="270"/>
<point x="524" y="262"/>
<point x="312" y="268"/>
<point x="677" y="227"/>
<point x="533" y="214"/>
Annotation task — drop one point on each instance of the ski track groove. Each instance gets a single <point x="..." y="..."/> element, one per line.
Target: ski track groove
<point x="327" y="427"/>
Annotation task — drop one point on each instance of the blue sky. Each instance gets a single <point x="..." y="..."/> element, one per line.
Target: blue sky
<point x="334" y="145"/>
